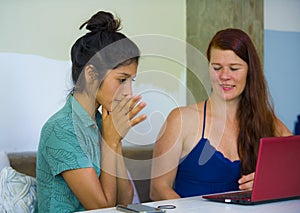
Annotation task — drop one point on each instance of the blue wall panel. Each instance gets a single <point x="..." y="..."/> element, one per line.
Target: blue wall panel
<point x="282" y="70"/>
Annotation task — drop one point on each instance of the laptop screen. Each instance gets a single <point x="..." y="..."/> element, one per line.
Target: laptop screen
<point x="277" y="171"/>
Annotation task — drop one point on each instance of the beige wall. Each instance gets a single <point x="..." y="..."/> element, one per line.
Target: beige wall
<point x="206" y="17"/>
<point x="49" y="28"/>
<point x="36" y="37"/>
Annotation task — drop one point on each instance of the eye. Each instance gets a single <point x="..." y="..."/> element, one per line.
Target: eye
<point x="216" y="68"/>
<point x="234" y="68"/>
<point x="122" y="80"/>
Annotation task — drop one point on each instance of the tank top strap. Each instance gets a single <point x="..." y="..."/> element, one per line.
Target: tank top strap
<point x="204" y="119"/>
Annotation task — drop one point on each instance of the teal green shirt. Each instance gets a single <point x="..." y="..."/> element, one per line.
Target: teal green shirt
<point x="70" y="139"/>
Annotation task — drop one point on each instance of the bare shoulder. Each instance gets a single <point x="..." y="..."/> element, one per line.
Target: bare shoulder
<point x="187" y="112"/>
<point x="281" y="129"/>
<point x="186" y="118"/>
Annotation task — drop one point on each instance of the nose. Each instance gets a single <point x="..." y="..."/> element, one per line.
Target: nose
<point x="127" y="89"/>
<point x="225" y="73"/>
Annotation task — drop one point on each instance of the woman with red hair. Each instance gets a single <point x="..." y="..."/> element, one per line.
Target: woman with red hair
<point x="212" y="146"/>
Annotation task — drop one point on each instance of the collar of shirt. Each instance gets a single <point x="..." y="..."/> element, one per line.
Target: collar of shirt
<point x="82" y="115"/>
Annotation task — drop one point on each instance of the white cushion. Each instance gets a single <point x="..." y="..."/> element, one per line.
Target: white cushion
<point x="17" y="192"/>
<point x="4" y="162"/>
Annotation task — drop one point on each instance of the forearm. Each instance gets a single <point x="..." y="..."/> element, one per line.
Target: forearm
<point x="108" y="177"/>
<point x="125" y="191"/>
<point x="124" y="185"/>
<point x="160" y="191"/>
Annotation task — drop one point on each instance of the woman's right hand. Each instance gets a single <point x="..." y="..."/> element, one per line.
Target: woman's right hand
<point x="117" y="123"/>
<point x="246" y="181"/>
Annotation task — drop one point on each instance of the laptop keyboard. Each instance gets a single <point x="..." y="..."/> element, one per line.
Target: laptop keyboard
<point x="243" y="195"/>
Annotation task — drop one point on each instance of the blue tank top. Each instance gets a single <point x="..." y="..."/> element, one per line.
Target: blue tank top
<point x="205" y="170"/>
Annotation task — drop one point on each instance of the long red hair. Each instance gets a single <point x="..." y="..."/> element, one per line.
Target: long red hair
<point x="255" y="113"/>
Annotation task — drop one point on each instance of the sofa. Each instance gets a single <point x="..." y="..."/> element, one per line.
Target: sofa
<point x="137" y="159"/>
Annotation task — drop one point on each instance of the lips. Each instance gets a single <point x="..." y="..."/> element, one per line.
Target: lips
<point x="227" y="87"/>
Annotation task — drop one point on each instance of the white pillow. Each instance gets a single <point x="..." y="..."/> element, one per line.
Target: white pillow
<point x="17" y="192"/>
<point x="4" y="162"/>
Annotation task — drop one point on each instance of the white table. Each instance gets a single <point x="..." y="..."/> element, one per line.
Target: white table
<point x="200" y="205"/>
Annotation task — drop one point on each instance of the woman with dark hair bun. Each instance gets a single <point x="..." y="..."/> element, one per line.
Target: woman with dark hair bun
<point x="212" y="146"/>
<point x="80" y="165"/>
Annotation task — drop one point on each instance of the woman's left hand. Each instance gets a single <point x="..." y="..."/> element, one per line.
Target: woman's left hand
<point x="246" y="181"/>
<point x="117" y="123"/>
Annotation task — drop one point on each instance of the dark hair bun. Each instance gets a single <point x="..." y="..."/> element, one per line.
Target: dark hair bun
<point x="102" y="21"/>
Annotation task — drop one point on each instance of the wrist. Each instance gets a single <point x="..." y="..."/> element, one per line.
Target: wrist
<point x="112" y="143"/>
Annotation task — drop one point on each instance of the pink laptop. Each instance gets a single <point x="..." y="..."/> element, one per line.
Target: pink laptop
<point x="277" y="173"/>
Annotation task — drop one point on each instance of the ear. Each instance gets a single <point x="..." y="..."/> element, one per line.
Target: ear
<point x="90" y="73"/>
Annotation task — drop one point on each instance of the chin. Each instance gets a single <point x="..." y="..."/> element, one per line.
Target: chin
<point x="231" y="99"/>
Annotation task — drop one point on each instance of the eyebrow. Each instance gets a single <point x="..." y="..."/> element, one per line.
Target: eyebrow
<point x="125" y="74"/>
<point x="233" y="64"/>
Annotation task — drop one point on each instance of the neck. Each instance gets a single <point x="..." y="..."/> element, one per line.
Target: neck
<point x="225" y="108"/>
<point x="88" y="103"/>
